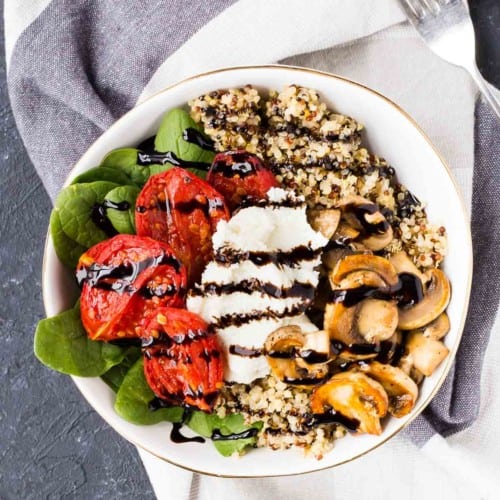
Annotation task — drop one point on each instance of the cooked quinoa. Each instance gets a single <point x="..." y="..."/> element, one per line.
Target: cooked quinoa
<point x="318" y="153"/>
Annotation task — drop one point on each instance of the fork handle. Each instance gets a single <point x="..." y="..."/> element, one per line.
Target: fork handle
<point x="485" y="90"/>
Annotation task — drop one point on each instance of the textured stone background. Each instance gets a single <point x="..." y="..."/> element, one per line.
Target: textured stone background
<point x="52" y="444"/>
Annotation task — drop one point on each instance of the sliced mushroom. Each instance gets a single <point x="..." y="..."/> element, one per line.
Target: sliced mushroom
<point x="426" y="353"/>
<point x="436" y="299"/>
<point x="288" y="355"/>
<point x="325" y="221"/>
<point x="316" y="349"/>
<point x="400" y="388"/>
<point x="366" y="217"/>
<point x="355" y="396"/>
<point x="362" y="278"/>
<point x="345" y="233"/>
<point x="377" y="319"/>
<point x="438" y="328"/>
<point x="370" y="321"/>
<point x="364" y="262"/>
<point x="331" y="257"/>
<point x="403" y="264"/>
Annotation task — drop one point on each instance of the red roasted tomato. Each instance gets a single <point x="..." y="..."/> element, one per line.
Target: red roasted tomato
<point x="182" y="360"/>
<point x="124" y="278"/>
<point x="239" y="176"/>
<point x="182" y="210"/>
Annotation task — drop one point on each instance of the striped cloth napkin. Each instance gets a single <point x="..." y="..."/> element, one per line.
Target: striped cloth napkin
<point x="75" y="67"/>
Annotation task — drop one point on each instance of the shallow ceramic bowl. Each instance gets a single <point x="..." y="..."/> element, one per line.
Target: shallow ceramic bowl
<point x="390" y="133"/>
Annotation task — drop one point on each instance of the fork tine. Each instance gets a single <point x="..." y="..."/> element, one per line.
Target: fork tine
<point x="431" y="5"/>
<point x="413" y="13"/>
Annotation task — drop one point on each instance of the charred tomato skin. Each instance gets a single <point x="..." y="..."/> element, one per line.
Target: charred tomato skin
<point x="240" y="176"/>
<point x="122" y="280"/>
<point x="181" y="209"/>
<point x="182" y="359"/>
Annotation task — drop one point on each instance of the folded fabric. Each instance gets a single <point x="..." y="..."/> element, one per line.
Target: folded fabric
<point x="75" y="67"/>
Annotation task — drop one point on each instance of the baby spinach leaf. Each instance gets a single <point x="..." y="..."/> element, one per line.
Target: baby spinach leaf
<point x="75" y="205"/>
<point x="115" y="375"/>
<point x="170" y="137"/>
<point x="103" y="174"/>
<point x="125" y="160"/>
<point x="67" y="250"/>
<point x="123" y="220"/>
<point x="205" y="424"/>
<point x="62" y="344"/>
<point x="134" y="395"/>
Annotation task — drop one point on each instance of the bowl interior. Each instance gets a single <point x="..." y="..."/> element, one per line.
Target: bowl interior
<point x="390" y="133"/>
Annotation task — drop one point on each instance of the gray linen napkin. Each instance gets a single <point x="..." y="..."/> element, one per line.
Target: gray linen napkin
<point x="73" y="72"/>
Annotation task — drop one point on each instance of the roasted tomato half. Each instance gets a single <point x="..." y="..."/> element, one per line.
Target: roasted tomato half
<point x="182" y="360"/>
<point x="182" y="210"/>
<point x="124" y="278"/>
<point x="240" y="176"/>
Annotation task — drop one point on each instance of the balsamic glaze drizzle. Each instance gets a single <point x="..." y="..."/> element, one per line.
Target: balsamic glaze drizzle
<point x="233" y="164"/>
<point x="249" y="433"/>
<point x="333" y="417"/>
<point x="196" y="137"/>
<point x="120" y="278"/>
<point x="303" y="290"/>
<point x="146" y="159"/>
<point x="279" y="258"/>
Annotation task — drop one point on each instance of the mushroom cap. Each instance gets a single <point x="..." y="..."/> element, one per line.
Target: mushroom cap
<point x="364" y="262"/>
<point x="283" y="347"/>
<point x="370" y="321"/>
<point x="436" y="299"/>
<point x="438" y="328"/>
<point x="361" y="278"/>
<point x="403" y="264"/>
<point x="400" y="388"/>
<point x="355" y="396"/>
<point x="324" y="221"/>
<point x="366" y="217"/>
<point x="376" y="320"/>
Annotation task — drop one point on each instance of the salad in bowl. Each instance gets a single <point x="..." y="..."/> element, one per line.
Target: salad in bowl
<point x="251" y="275"/>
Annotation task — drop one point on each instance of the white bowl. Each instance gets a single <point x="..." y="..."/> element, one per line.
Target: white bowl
<point x="390" y="133"/>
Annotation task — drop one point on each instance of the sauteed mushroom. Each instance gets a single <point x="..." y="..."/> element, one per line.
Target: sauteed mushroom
<point x="403" y="264"/>
<point x="436" y="298"/>
<point x="400" y="388"/>
<point x="293" y="356"/>
<point x="325" y="221"/>
<point x="364" y="262"/>
<point x="355" y="396"/>
<point x="364" y="216"/>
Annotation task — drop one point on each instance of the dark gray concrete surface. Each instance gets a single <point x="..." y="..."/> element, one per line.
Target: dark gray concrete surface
<point x="52" y="444"/>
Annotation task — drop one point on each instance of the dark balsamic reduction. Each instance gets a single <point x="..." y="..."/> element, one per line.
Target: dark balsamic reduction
<point x="408" y="291"/>
<point x="147" y="145"/>
<point x="308" y="355"/>
<point x="368" y="209"/>
<point x="279" y="257"/>
<point x="288" y="202"/>
<point x="196" y="137"/>
<point x="247" y="352"/>
<point x="333" y="417"/>
<point x="120" y="278"/>
<point x="233" y="164"/>
<point x="303" y="381"/>
<point x="178" y="438"/>
<point x="146" y="159"/>
<point x="100" y="219"/>
<point x="241" y="319"/>
<point x="304" y="290"/>
<point x="249" y="433"/>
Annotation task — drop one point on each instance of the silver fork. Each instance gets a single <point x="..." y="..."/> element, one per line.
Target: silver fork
<point x="446" y="27"/>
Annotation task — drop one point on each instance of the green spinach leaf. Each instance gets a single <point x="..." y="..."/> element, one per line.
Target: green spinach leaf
<point x="67" y="250"/>
<point x="125" y="160"/>
<point x="134" y="395"/>
<point x="170" y="137"/>
<point x="75" y="204"/>
<point x="123" y="220"/>
<point x="103" y="174"/>
<point x="115" y="375"/>
<point x="204" y="424"/>
<point x="62" y="344"/>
